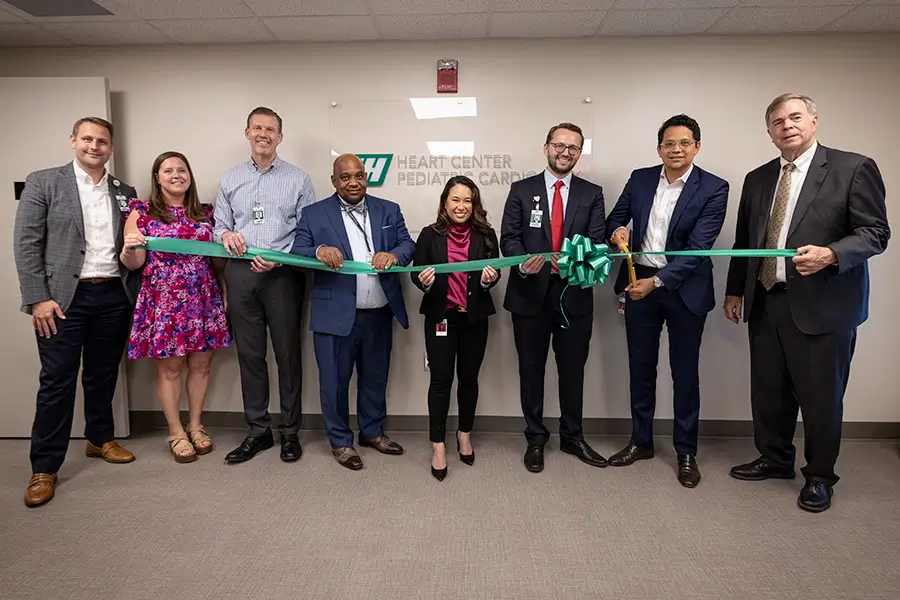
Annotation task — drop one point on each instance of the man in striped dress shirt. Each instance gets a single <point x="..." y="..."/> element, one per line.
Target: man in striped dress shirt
<point x="259" y="205"/>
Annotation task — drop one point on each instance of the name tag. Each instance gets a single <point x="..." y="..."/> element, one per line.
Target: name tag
<point x="259" y="216"/>
<point x="536" y="217"/>
<point x="440" y="329"/>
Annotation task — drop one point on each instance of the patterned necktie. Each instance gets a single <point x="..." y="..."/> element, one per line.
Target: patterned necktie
<point x="768" y="269"/>
<point x="359" y="207"/>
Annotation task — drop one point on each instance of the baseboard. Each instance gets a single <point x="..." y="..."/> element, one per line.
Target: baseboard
<point x="145" y="421"/>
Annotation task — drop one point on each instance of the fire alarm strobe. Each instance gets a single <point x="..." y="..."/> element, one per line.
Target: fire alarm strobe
<point x="447" y="76"/>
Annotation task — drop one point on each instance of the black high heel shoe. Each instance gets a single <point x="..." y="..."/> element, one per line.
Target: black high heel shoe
<point x="438" y="474"/>
<point x="469" y="459"/>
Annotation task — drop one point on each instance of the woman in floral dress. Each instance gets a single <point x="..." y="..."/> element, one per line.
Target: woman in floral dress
<point x="179" y="316"/>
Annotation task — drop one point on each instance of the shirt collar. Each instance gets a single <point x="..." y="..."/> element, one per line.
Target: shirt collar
<point x="81" y="175"/>
<point x="252" y="164"/>
<point x="550" y="179"/>
<point x="802" y="162"/>
<point x="682" y="179"/>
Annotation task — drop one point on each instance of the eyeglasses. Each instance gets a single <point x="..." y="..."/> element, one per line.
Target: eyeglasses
<point x="560" y="148"/>
<point x="683" y="144"/>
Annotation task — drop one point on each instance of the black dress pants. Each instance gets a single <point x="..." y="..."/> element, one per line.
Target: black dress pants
<point x="461" y="345"/>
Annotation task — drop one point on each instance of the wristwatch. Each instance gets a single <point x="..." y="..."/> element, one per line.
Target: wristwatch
<point x="657" y="282"/>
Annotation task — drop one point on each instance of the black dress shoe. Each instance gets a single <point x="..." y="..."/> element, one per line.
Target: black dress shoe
<point x="290" y="448"/>
<point x="759" y="470"/>
<point x="815" y="496"/>
<point x="630" y="454"/>
<point x="250" y="447"/>
<point x="584" y="453"/>
<point x="688" y="471"/>
<point x="534" y="458"/>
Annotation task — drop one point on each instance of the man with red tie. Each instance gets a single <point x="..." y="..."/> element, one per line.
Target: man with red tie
<point x="539" y="213"/>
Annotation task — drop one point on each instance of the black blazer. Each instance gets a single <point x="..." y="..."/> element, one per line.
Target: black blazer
<point x="431" y="249"/>
<point x="585" y="214"/>
<point x="841" y="206"/>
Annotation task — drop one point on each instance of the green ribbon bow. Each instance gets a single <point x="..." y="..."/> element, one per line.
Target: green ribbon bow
<point x="584" y="263"/>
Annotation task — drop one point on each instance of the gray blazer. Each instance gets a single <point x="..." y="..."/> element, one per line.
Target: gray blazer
<point x="48" y="243"/>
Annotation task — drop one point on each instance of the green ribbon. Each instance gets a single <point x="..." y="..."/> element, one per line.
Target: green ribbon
<point x="582" y="263"/>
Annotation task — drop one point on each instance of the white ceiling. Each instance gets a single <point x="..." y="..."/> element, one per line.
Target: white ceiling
<point x="262" y="21"/>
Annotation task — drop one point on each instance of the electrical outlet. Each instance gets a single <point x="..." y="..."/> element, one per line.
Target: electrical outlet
<point x="427" y="366"/>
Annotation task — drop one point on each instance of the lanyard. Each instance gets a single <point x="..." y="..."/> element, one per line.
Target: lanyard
<point x="360" y="227"/>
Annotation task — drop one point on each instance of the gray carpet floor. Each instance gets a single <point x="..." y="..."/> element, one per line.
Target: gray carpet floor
<point x="314" y="530"/>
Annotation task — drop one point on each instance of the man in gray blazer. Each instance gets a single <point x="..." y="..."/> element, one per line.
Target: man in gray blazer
<point x="67" y="240"/>
<point x="803" y="312"/>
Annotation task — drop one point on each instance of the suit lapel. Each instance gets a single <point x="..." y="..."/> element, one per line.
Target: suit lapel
<point x="475" y="246"/>
<point x="70" y="192"/>
<point x="376" y="215"/>
<point x="333" y="210"/>
<point x="118" y="215"/>
<point x="810" y="189"/>
<point x="687" y="193"/>
<point x="646" y="198"/>
<point x="540" y="191"/>
<point x="571" y="205"/>
<point x="768" y="197"/>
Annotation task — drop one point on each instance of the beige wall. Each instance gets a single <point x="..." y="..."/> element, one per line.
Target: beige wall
<point x="194" y="99"/>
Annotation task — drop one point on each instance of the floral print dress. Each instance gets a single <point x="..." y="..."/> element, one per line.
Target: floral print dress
<point x="179" y="309"/>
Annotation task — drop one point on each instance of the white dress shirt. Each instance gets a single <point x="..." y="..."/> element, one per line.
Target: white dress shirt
<point x="369" y="293"/>
<point x="99" y="233"/>
<point x="550" y="181"/>
<point x="657" y="233"/>
<point x="801" y="168"/>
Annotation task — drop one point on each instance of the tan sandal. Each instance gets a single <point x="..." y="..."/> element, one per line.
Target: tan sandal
<point x="202" y="442"/>
<point x="181" y="448"/>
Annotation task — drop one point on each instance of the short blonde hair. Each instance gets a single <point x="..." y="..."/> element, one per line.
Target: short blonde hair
<point x="773" y="106"/>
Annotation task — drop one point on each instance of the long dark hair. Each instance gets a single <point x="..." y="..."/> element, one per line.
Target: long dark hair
<point x="158" y="207"/>
<point x="478" y="220"/>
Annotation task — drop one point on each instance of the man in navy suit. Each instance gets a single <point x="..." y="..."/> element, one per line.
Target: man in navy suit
<point x="678" y="206"/>
<point x="351" y="316"/>
<point x="539" y="213"/>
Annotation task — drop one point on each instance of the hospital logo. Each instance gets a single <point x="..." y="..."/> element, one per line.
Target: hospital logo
<point x="377" y="167"/>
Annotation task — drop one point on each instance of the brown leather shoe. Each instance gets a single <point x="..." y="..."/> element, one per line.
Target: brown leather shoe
<point x="348" y="457"/>
<point x="111" y="452"/>
<point x="382" y="443"/>
<point x="41" y="488"/>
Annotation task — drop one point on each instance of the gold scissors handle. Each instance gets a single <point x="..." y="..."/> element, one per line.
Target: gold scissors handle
<point x="632" y="277"/>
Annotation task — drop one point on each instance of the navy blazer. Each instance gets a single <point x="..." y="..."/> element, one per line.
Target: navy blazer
<point x="333" y="298"/>
<point x="695" y="224"/>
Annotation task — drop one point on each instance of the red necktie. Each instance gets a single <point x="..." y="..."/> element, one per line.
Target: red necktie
<point x="557" y="218"/>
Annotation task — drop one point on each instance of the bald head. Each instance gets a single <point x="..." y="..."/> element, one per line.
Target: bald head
<point x="349" y="178"/>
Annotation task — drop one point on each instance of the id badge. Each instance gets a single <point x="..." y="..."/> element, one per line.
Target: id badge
<point x="536" y="218"/>
<point x="259" y="216"/>
<point x="123" y="203"/>
<point x="440" y="330"/>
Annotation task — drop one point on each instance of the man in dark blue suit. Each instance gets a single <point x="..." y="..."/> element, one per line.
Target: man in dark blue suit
<point x="678" y="206"/>
<point x="352" y="316"/>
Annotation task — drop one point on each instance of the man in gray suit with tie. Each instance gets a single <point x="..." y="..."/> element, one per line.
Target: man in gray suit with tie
<point x="67" y="240"/>
<point x="803" y="312"/>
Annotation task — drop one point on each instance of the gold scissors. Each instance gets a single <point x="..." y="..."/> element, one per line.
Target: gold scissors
<point x="632" y="277"/>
